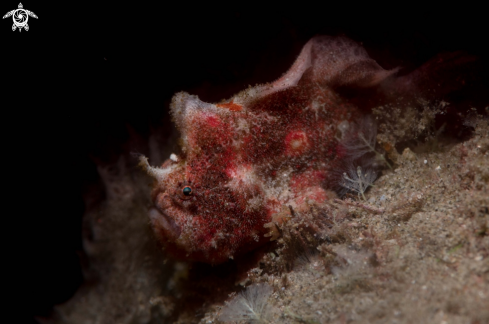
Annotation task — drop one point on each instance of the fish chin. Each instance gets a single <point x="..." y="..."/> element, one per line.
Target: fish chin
<point x="164" y="224"/>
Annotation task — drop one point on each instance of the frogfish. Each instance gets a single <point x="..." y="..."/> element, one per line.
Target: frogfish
<point x="268" y="146"/>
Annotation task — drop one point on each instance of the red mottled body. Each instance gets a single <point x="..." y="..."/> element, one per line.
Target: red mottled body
<point x="268" y="146"/>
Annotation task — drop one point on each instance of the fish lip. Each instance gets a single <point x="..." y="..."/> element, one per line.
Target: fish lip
<point x="162" y="221"/>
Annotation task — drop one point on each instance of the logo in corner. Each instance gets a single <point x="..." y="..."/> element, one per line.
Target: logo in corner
<point x="20" y="17"/>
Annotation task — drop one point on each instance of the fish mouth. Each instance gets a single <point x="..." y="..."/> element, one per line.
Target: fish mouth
<point x="165" y="223"/>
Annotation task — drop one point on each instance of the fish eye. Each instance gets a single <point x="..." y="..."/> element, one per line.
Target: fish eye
<point x="187" y="191"/>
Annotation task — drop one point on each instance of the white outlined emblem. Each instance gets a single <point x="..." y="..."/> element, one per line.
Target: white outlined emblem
<point x="20" y="17"/>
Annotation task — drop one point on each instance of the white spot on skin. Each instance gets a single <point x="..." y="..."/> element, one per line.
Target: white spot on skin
<point x="316" y="108"/>
<point x="343" y="128"/>
<point x="297" y="143"/>
<point x="254" y="203"/>
<point x="243" y="175"/>
<point x="173" y="157"/>
<point x="242" y="126"/>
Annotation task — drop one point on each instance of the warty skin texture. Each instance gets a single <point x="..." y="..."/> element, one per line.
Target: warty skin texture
<point x="266" y="147"/>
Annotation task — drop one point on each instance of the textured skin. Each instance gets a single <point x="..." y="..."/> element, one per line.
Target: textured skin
<point x="268" y="146"/>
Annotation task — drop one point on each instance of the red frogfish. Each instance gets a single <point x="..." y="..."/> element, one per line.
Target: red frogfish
<point x="268" y="146"/>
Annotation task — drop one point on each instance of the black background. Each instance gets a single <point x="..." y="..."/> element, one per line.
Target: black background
<point x="83" y="72"/>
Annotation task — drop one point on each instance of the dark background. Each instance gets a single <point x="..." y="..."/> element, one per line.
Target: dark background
<point x="84" y="73"/>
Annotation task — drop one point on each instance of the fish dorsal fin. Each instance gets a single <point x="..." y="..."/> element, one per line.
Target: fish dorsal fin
<point x="333" y="61"/>
<point x="339" y="61"/>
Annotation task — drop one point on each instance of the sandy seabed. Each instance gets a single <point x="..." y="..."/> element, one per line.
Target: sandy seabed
<point x="416" y="251"/>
